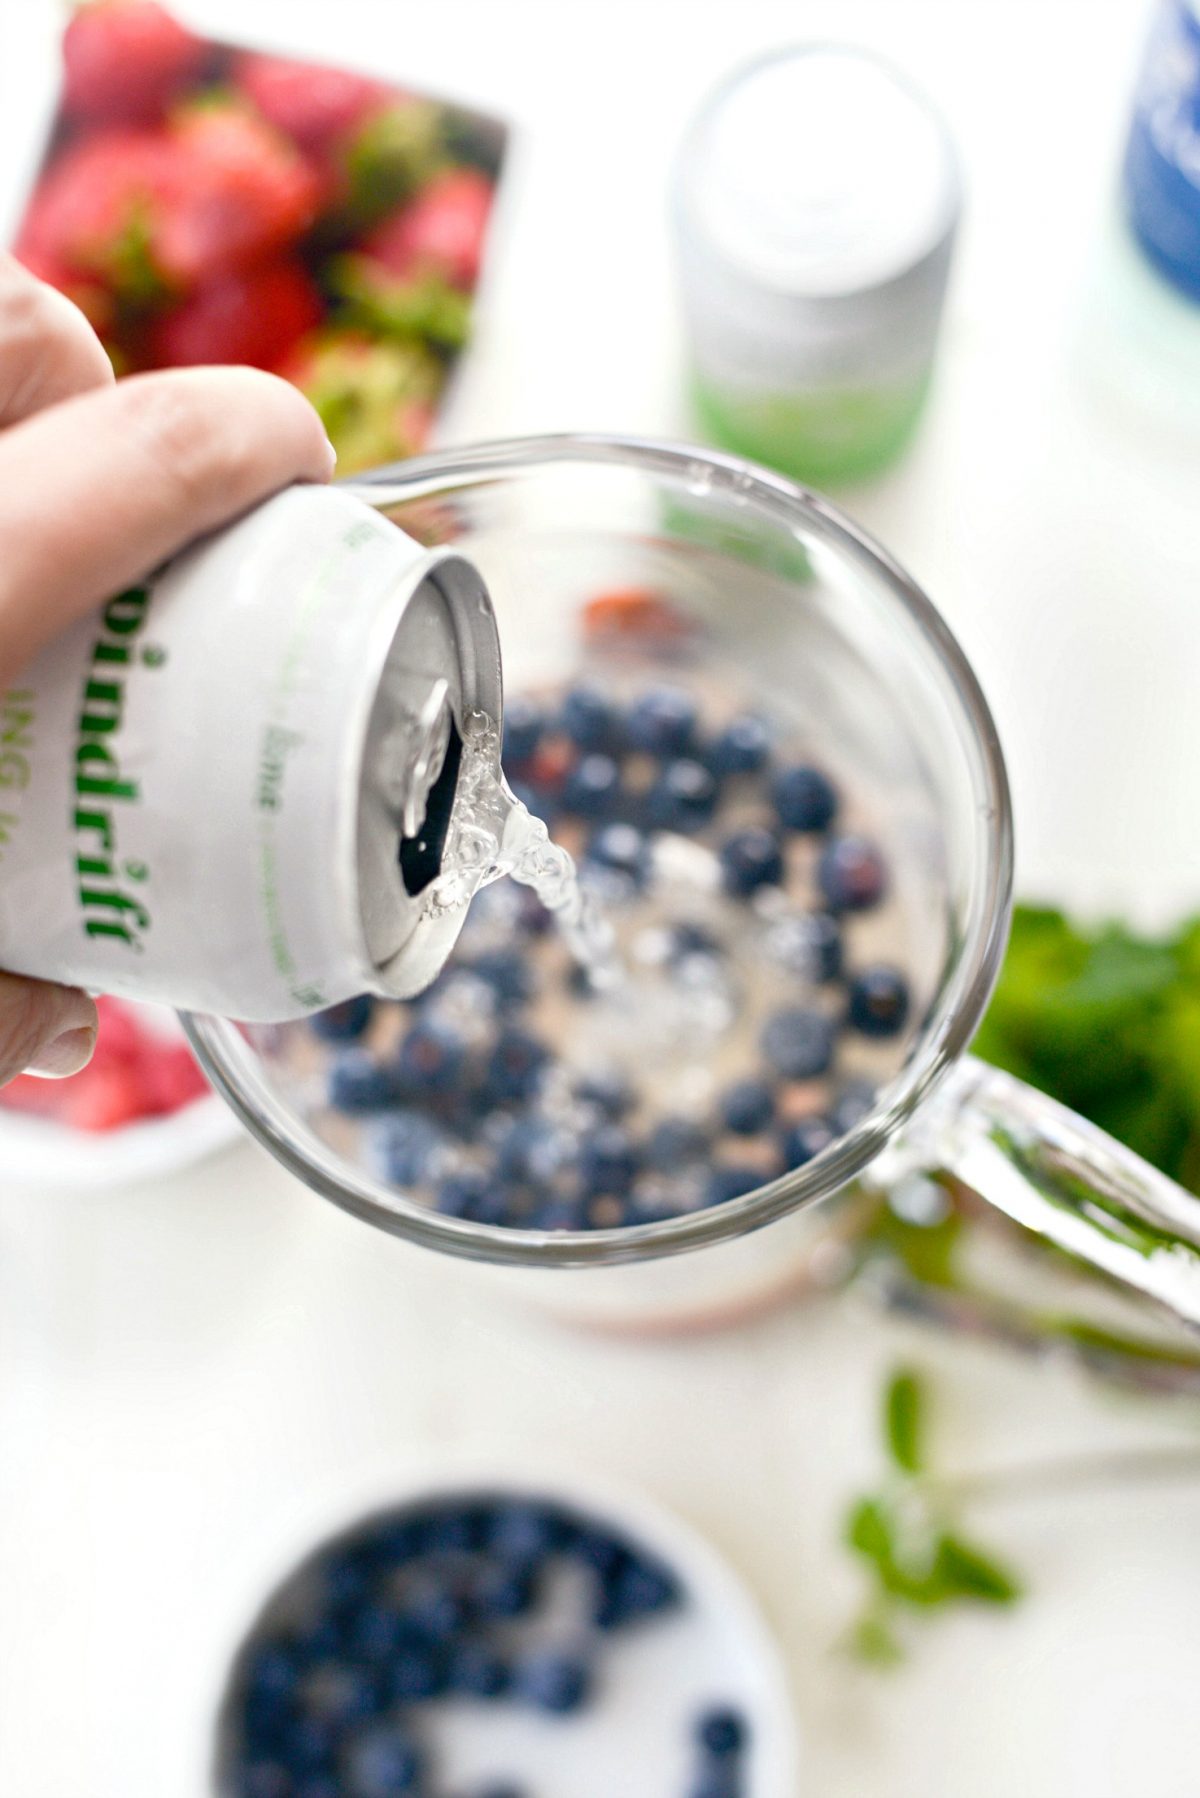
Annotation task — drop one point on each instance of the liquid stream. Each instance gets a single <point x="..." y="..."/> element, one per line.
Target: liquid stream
<point x="492" y="834"/>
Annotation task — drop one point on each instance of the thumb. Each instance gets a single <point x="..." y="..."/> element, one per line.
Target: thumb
<point x="44" y="1029"/>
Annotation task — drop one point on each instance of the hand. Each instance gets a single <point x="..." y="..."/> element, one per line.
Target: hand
<point x="99" y="483"/>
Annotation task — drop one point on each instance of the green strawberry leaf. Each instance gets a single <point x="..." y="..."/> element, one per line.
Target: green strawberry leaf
<point x="966" y="1571"/>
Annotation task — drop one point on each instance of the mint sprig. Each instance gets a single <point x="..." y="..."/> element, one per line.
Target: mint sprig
<point x="913" y="1548"/>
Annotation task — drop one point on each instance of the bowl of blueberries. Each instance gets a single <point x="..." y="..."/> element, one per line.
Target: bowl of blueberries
<point x="506" y="1637"/>
<point x="773" y="774"/>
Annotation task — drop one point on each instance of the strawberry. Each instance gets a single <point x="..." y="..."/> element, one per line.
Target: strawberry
<point x="370" y="396"/>
<point x="257" y="316"/>
<point x="440" y="231"/>
<point x="103" y="1097"/>
<point x="243" y="192"/>
<point x="314" y="106"/>
<point x="170" y="1078"/>
<point x="92" y="299"/>
<point x="125" y="59"/>
<point x="94" y="210"/>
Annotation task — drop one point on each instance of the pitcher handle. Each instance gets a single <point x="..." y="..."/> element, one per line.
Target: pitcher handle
<point x="1061" y="1177"/>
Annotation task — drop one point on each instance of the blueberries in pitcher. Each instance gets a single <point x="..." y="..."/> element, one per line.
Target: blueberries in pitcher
<point x="747" y="1107"/>
<point x="524" y="723"/>
<point x="682" y="799"/>
<point x="662" y="721"/>
<point x="750" y="859"/>
<point x="732" y="1182"/>
<point x="589" y="717"/>
<point x="359" y="1084"/>
<point x="623" y="849"/>
<point x="592" y="787"/>
<point x="799" y="1042"/>
<point x="804" y="799"/>
<point x="878" y="1001"/>
<point x="741" y="748"/>
<point x="522" y="1092"/>
<point x="851" y="874"/>
<point x="344" y="1022"/>
<point x="803" y="1141"/>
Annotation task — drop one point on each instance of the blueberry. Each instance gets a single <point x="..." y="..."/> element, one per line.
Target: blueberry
<point x="717" y="1780"/>
<point x="741" y="748"/>
<point x="378" y="1632"/>
<point x="534" y="1150"/>
<point x="324" y="1641"/>
<point x="878" y="1002"/>
<point x="597" y="1549"/>
<point x="537" y="800"/>
<point x="456" y="1529"/>
<point x="504" y="1589"/>
<point x="265" y="1779"/>
<point x="407" y="1147"/>
<point x="345" y="1580"/>
<point x="398" y="1541"/>
<point x="750" y="859"/>
<point x="515" y="1066"/>
<point x="662" y="721"/>
<point x="524" y="723"/>
<point x="310" y="1744"/>
<point x="747" y="1107"/>
<point x="431" y="1057"/>
<point x="359" y="1084"/>
<point x="507" y="973"/>
<point x="851" y="874"/>
<point x="381" y="1763"/>
<point x="434" y="1611"/>
<point x="273" y="1672"/>
<point x="674" y="1142"/>
<point x="825" y="939"/>
<point x="682" y="799"/>
<point x="342" y="1694"/>
<point x="589" y="717"/>
<point x="608" y="1160"/>
<point x="592" y="787"/>
<point x="477" y="1672"/>
<point x="556" y="1214"/>
<point x="803" y="1141"/>
<point x="463" y="1194"/>
<point x="343" y="1023"/>
<point x="722" y="1732"/>
<point x="685" y="940"/>
<point x="851" y="1106"/>
<point x="608" y="1092"/>
<point x="799" y="1043"/>
<point x="525" y="1531"/>
<point x="804" y="798"/>
<point x="808" y="946"/>
<point x="728" y="1181"/>
<point x="622" y="849"/>
<point x="639" y="1588"/>
<point x="553" y="1682"/>
<point x="319" y="1785"/>
<point x="416" y="1673"/>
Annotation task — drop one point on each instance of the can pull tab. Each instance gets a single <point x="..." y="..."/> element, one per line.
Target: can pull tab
<point x="430" y="781"/>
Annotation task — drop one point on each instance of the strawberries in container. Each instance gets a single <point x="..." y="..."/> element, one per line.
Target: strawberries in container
<point x="210" y="204"/>
<point x="205" y="203"/>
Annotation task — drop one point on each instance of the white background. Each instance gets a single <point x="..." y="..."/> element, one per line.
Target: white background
<point x="188" y="1370"/>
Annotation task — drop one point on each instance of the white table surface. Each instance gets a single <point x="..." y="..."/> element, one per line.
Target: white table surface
<point x="189" y="1369"/>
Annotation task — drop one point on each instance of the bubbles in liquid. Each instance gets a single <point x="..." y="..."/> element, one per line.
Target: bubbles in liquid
<point x="492" y="834"/>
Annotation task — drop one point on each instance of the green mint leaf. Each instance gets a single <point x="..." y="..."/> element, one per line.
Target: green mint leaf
<point x="873" y="1639"/>
<point x="965" y="1571"/>
<point x="904" y="1407"/>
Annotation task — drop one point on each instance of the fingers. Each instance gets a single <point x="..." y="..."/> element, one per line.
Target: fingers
<point x="48" y="351"/>
<point x="49" y="1030"/>
<point x="99" y="490"/>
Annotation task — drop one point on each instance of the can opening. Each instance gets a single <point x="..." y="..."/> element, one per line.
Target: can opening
<point x="421" y="855"/>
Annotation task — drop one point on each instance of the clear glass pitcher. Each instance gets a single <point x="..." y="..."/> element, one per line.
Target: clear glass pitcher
<point x="803" y="603"/>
